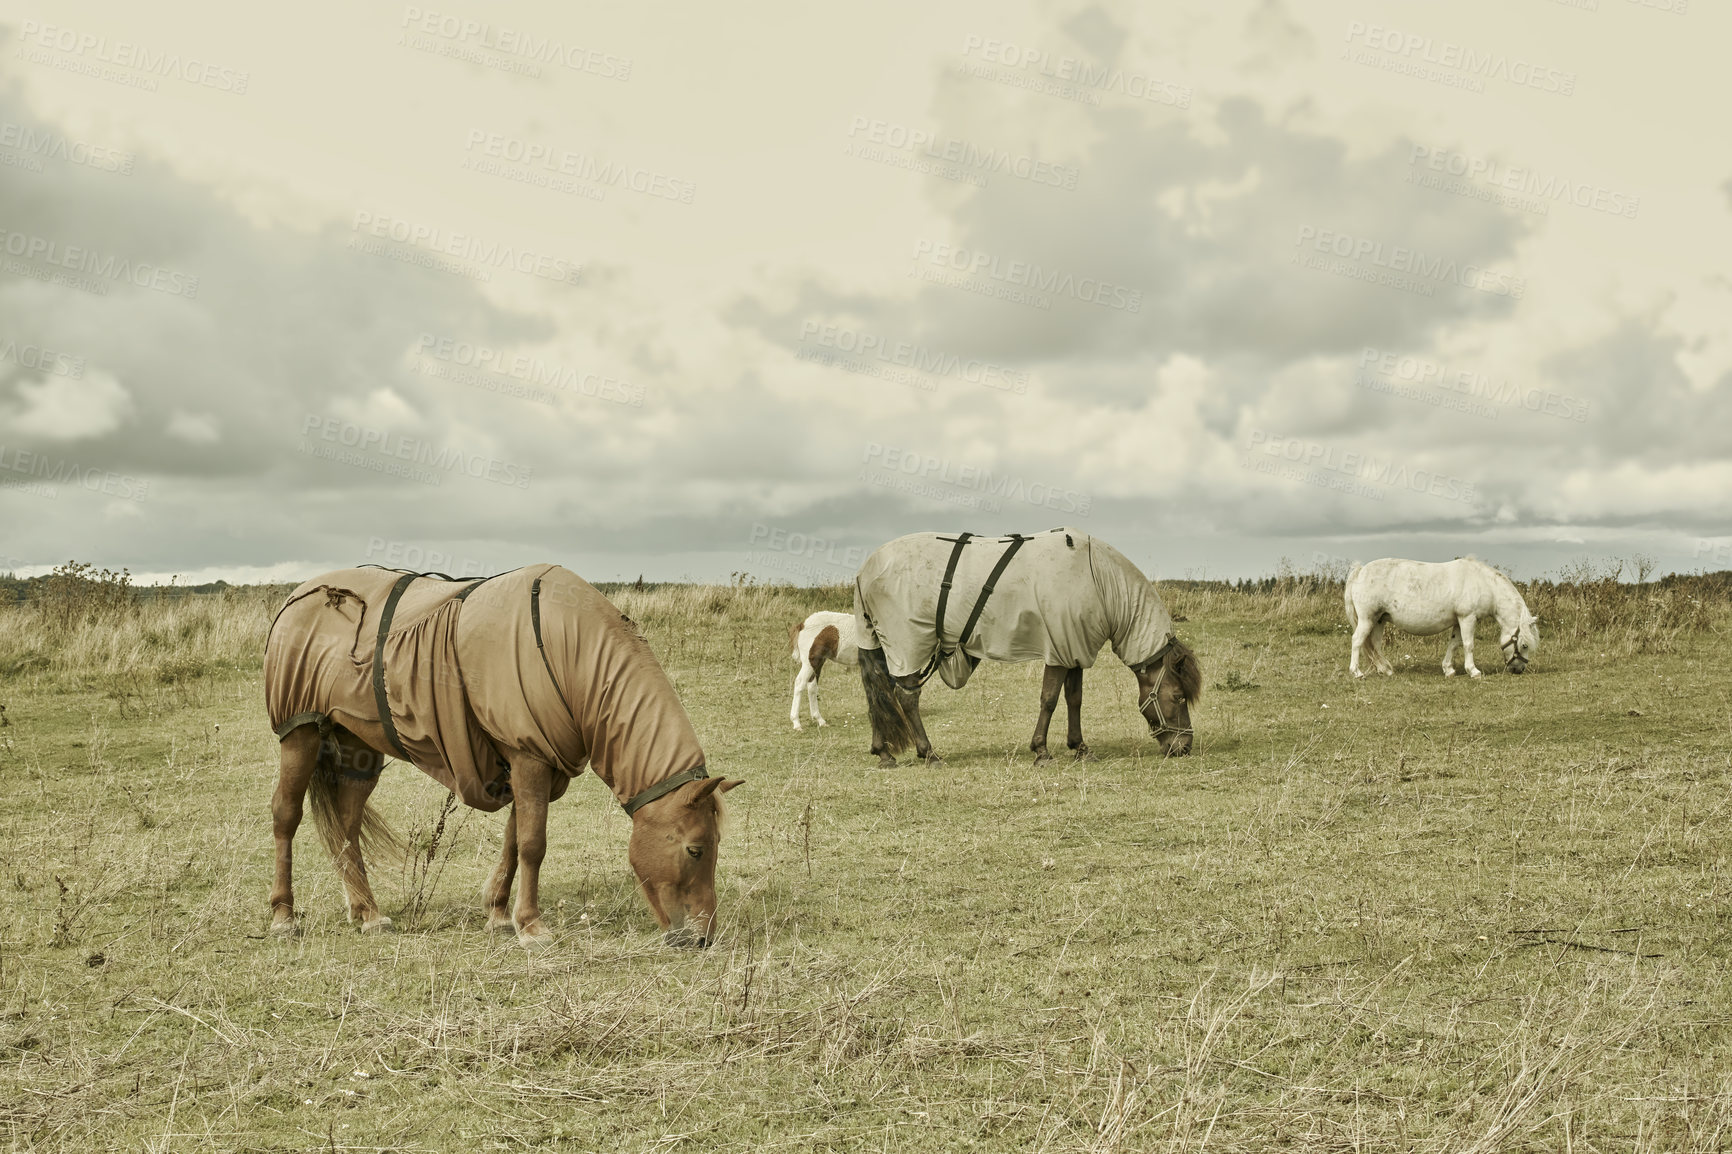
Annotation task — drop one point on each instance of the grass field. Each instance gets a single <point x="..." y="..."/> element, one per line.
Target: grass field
<point x="1405" y="913"/>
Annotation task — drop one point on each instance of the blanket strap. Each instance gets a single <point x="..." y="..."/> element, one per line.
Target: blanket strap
<point x="942" y="655"/>
<point x="380" y="698"/>
<point x="938" y="654"/>
<point x="535" y="619"/>
<point x="663" y="788"/>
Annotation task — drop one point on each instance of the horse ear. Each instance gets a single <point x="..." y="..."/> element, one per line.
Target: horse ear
<point x="708" y="787"/>
<point x="727" y="785"/>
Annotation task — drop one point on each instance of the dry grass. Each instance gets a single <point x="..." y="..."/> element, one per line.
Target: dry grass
<point x="1434" y="915"/>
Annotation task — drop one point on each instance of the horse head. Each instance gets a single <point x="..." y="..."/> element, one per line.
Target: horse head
<point x="1167" y="686"/>
<point x="673" y="852"/>
<point x="1521" y="642"/>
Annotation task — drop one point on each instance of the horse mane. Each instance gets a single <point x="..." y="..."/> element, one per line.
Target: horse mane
<point x="1185" y="669"/>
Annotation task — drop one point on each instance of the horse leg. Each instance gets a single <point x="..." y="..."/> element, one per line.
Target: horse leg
<point x="357" y="773"/>
<point x="531" y="786"/>
<point x="497" y="893"/>
<point x="1049" y="685"/>
<point x="1073" y="714"/>
<point x="1380" y="647"/>
<point x="908" y="696"/>
<point x="1467" y="626"/>
<point x="812" y="690"/>
<point x="300" y="757"/>
<point x="801" y="679"/>
<point x="1361" y="632"/>
<point x="1449" y="650"/>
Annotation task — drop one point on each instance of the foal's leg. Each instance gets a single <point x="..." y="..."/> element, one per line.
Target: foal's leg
<point x="908" y="696"/>
<point x="1467" y="625"/>
<point x="300" y="756"/>
<point x="1073" y="714"/>
<point x="812" y="690"/>
<point x="800" y="680"/>
<point x="357" y="773"/>
<point x="1050" y="681"/>
<point x="531" y="786"/>
<point x="497" y="892"/>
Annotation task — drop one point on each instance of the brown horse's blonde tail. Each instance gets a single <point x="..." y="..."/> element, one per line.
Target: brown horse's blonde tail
<point x="377" y="841"/>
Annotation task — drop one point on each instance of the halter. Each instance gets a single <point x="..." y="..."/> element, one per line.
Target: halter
<point x="1154" y="697"/>
<point x="1513" y="645"/>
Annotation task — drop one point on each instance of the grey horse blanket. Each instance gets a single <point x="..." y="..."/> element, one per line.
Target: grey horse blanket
<point x="1063" y="596"/>
<point x="470" y="674"/>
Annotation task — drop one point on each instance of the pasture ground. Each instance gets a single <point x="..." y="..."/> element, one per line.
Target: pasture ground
<point x="1408" y="913"/>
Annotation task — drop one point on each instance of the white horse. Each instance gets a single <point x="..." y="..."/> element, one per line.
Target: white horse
<point x="1423" y="598"/>
<point x="822" y="637"/>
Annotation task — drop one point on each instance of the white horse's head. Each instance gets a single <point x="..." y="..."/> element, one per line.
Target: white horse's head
<point x="1521" y="643"/>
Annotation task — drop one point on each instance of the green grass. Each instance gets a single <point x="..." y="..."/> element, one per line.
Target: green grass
<point x="1396" y="914"/>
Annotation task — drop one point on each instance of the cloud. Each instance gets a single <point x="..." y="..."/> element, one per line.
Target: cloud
<point x="59" y="409"/>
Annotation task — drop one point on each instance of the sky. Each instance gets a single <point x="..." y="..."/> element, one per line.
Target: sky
<point x="687" y="293"/>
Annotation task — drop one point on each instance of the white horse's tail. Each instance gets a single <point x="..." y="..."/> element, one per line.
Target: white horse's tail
<point x="1347" y="596"/>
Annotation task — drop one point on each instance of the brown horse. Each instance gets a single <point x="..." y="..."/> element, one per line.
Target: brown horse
<point x="503" y="690"/>
<point x="1055" y="597"/>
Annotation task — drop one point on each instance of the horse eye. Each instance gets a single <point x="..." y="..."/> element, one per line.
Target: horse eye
<point x="695" y="850"/>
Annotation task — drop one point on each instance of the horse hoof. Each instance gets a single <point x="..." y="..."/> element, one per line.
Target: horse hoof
<point x="796" y="726"/>
<point x="1043" y="759"/>
<point x="500" y="924"/>
<point x="285" y="928"/>
<point x="1359" y="675"/>
<point x="378" y="925"/>
<point x="1449" y="673"/>
<point x="822" y="723"/>
<point x="540" y="939"/>
<point x="1474" y="673"/>
<point x="1084" y="755"/>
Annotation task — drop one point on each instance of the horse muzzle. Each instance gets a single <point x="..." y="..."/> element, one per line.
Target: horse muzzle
<point x="685" y="938"/>
<point x="1518" y="665"/>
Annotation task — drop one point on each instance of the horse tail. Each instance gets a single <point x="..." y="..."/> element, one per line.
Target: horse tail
<point x="794" y="638"/>
<point x="1347" y="596"/>
<point x="376" y="837"/>
<point x="888" y="721"/>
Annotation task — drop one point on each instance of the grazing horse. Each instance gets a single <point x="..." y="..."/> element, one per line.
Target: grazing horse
<point x="1423" y="598"/>
<point x="502" y="689"/>
<point x="824" y="636"/>
<point x="1056" y="597"/>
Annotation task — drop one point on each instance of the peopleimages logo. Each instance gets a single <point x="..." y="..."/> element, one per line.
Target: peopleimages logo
<point x="942" y="479"/>
<point x="1072" y="76"/>
<point x="1510" y="185"/>
<point x="511" y="42"/>
<point x="463" y="246"/>
<point x="45" y="471"/>
<point x="1405" y="262"/>
<point x="1419" y="53"/>
<point x="964" y="156"/>
<point x="41" y="360"/>
<point x="907" y="355"/>
<point x="37" y="144"/>
<point x="105" y="267"/>
<point x="87" y="52"/>
<point x="1022" y="274"/>
<point x="396" y="455"/>
<point x="812" y="548"/>
<point x="1346" y="470"/>
<point x="1434" y="375"/>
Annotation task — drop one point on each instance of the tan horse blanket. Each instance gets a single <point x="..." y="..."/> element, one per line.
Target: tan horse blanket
<point x="467" y="675"/>
<point x="1062" y="596"/>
